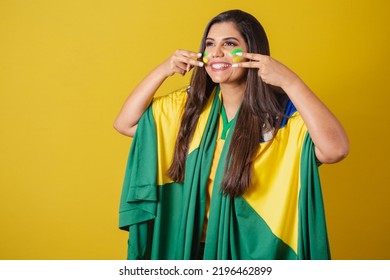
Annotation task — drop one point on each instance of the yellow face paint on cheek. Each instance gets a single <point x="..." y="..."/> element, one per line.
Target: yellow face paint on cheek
<point x="205" y="60"/>
<point x="236" y="58"/>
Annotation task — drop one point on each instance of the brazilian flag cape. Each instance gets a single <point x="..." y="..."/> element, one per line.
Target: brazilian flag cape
<point x="281" y="216"/>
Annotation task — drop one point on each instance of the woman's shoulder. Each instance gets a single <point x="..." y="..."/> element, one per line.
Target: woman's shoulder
<point x="289" y="112"/>
<point x="178" y="95"/>
<point x="171" y="102"/>
<point x="292" y="121"/>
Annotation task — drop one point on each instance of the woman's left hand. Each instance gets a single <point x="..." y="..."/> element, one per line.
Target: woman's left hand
<point x="270" y="71"/>
<point x="331" y="141"/>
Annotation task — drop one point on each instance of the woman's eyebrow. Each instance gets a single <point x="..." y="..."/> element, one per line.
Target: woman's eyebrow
<point x="224" y="39"/>
<point x="231" y="38"/>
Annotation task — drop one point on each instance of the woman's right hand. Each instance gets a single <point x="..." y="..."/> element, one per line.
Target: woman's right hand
<point x="181" y="62"/>
<point x="137" y="102"/>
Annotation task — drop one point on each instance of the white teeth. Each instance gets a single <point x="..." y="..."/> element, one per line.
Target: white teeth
<point x="220" y="65"/>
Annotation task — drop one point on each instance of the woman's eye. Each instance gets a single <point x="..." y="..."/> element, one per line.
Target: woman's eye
<point x="231" y="44"/>
<point x="209" y="44"/>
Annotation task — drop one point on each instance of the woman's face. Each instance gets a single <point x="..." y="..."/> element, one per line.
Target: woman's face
<point x="222" y="42"/>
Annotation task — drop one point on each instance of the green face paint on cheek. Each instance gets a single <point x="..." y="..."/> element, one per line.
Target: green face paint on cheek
<point x="236" y="58"/>
<point x="205" y="60"/>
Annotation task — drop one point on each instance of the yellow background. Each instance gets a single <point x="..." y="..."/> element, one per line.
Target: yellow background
<point x="66" y="67"/>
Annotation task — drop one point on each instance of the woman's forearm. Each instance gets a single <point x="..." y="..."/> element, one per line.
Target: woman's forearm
<point x="138" y="101"/>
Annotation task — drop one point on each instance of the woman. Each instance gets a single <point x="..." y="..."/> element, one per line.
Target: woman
<point x="227" y="168"/>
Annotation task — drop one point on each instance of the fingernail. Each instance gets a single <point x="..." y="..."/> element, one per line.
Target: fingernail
<point x="199" y="55"/>
<point x="235" y="65"/>
<point x="201" y="64"/>
<point x="239" y="53"/>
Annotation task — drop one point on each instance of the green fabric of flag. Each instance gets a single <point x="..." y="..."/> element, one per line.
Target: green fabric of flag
<point x="165" y="221"/>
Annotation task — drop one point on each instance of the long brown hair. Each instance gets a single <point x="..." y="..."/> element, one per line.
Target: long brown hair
<point x="262" y="108"/>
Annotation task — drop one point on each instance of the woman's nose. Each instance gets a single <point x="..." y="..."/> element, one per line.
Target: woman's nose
<point x="217" y="51"/>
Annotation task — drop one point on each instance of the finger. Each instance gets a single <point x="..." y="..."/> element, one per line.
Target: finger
<point x="189" y="63"/>
<point x="192" y="56"/>
<point x="247" y="64"/>
<point x="179" y="70"/>
<point x="188" y="54"/>
<point x="251" y="56"/>
<point x="181" y="67"/>
<point x="183" y="61"/>
<point x="192" y="63"/>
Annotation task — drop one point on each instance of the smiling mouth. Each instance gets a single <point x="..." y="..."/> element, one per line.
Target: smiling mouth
<point x="220" y="66"/>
